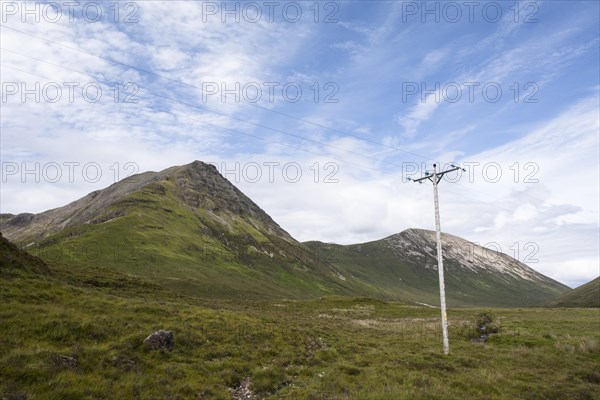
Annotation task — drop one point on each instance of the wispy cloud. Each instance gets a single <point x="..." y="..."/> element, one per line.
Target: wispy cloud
<point x="362" y="141"/>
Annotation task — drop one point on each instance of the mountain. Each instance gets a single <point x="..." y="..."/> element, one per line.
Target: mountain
<point x="186" y="227"/>
<point x="407" y="263"/>
<point x="189" y="229"/>
<point x="587" y="295"/>
<point x="197" y="186"/>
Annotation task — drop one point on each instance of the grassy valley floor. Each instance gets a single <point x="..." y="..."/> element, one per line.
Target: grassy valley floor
<point x="75" y="334"/>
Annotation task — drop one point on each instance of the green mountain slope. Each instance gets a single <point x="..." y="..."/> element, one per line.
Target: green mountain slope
<point x="587" y="295"/>
<point x="186" y="227"/>
<point x="405" y="266"/>
<point x="190" y="229"/>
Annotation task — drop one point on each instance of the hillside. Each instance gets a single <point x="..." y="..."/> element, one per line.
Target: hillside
<point x="587" y="296"/>
<point x="186" y="227"/>
<point x="190" y="229"/>
<point x="14" y="261"/>
<point x="406" y="263"/>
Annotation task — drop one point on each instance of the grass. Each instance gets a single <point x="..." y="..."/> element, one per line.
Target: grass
<point x="325" y="348"/>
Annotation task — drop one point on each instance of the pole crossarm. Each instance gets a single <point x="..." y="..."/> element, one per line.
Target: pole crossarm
<point x="435" y="178"/>
<point x="439" y="175"/>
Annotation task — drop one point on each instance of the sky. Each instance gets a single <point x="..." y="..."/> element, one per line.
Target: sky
<point x="320" y="111"/>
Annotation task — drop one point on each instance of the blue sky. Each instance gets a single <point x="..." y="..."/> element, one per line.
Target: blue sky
<point x="527" y="72"/>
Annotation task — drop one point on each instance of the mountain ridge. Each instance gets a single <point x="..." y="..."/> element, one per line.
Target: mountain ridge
<point x="191" y="229"/>
<point x="473" y="274"/>
<point x="186" y="226"/>
<point x="87" y="207"/>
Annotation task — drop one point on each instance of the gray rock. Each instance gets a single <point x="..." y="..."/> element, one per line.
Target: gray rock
<point x="243" y="391"/>
<point x="61" y="361"/>
<point x="161" y="340"/>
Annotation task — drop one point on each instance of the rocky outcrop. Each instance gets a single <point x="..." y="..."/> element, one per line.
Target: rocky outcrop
<point x="64" y="362"/>
<point x="161" y="340"/>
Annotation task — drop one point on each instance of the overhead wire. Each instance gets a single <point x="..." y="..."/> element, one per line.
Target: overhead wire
<point x="258" y="125"/>
<point x="245" y="103"/>
<point x="208" y="123"/>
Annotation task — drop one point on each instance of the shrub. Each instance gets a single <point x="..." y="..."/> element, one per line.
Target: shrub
<point x="486" y="324"/>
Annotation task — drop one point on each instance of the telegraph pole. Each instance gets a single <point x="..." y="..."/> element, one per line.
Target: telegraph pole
<point x="436" y="178"/>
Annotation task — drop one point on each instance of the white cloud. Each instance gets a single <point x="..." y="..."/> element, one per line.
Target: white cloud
<point x="369" y="201"/>
<point x="559" y="211"/>
<point x="419" y="113"/>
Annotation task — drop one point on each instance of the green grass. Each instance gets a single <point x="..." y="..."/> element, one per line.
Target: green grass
<point x="328" y="348"/>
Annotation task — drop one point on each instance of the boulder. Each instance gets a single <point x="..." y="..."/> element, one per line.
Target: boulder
<point x="61" y="361"/>
<point x="161" y="340"/>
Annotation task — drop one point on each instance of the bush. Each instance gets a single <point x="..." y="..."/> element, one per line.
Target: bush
<point x="486" y="324"/>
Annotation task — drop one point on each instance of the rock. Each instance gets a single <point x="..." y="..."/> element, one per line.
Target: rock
<point x="161" y="340"/>
<point x="314" y="344"/>
<point x="243" y="391"/>
<point x="61" y="361"/>
<point x="15" y="396"/>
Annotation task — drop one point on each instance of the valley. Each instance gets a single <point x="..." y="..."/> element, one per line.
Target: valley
<point x="324" y="348"/>
<point x="255" y="314"/>
<point x="191" y="230"/>
<point x="299" y="200"/>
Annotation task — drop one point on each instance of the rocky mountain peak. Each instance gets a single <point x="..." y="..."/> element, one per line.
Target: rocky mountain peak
<point x="458" y="253"/>
<point x="198" y="185"/>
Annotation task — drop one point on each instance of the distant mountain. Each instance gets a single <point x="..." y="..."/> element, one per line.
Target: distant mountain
<point x="587" y="296"/>
<point x="190" y="229"/>
<point x="406" y="263"/>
